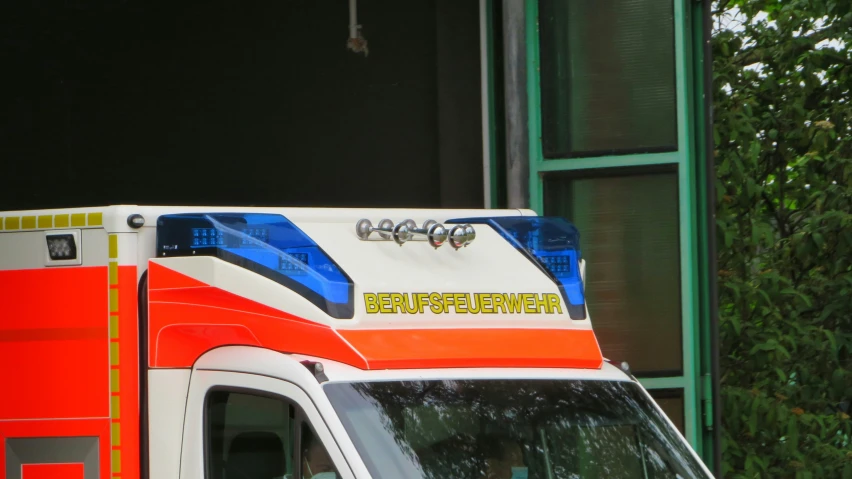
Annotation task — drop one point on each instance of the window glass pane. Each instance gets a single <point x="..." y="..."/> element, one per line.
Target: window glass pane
<point x="607" y="77"/>
<point x="248" y="436"/>
<point x="485" y="428"/>
<point x="316" y="463"/>
<point x="629" y="237"/>
<point x="671" y="402"/>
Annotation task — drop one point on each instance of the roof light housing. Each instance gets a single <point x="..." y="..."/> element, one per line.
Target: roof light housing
<point x="550" y="242"/>
<point x="266" y="244"/>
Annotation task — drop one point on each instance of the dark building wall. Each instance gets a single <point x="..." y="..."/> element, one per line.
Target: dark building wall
<point x="247" y="103"/>
<point x="459" y="105"/>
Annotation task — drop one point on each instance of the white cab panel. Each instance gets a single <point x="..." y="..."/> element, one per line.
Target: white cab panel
<point x="167" y="391"/>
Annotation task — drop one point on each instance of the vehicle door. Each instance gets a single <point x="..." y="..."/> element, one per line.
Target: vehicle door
<point x="248" y="426"/>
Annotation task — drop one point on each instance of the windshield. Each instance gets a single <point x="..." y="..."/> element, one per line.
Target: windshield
<point x="502" y="429"/>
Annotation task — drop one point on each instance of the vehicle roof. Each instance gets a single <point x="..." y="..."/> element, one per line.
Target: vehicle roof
<point x="113" y="218"/>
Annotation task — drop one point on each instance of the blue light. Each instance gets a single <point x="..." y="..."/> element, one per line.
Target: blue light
<point x="267" y="244"/>
<point x="294" y="265"/>
<point x="552" y="243"/>
<point x="202" y="237"/>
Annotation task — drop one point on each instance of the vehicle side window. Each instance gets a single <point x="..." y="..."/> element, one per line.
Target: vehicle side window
<point x="248" y="436"/>
<point x="316" y="463"/>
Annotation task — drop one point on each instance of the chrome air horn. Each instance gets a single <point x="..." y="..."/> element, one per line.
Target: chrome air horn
<point x="435" y="233"/>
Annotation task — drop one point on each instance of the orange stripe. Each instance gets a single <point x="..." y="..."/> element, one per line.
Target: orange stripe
<point x="185" y="322"/>
<point x="183" y="332"/>
<point x="471" y="348"/>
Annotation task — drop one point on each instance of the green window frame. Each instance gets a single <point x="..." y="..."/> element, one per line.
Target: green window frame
<point x="684" y="160"/>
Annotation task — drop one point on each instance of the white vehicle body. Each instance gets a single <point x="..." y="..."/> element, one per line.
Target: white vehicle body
<point x="164" y="340"/>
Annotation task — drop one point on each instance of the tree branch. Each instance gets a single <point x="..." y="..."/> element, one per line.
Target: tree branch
<point x="836" y="56"/>
<point x="762" y="53"/>
<point x="723" y="7"/>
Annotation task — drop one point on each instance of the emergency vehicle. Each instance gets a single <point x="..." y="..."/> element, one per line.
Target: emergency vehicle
<point x="258" y="343"/>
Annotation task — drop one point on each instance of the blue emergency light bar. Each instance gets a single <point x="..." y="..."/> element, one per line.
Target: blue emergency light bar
<point x="267" y="244"/>
<point x="552" y="243"/>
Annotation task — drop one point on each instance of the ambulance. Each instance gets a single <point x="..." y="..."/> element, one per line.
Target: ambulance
<point x="259" y="343"/>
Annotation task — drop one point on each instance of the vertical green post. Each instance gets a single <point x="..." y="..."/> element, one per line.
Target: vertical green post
<point x="694" y="205"/>
<point x="705" y="186"/>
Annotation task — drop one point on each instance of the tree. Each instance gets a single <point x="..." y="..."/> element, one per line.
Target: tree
<point x="783" y="136"/>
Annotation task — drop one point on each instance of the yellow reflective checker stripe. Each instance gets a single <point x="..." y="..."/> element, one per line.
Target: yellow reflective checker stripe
<point x="114" y="350"/>
<point x="46" y="222"/>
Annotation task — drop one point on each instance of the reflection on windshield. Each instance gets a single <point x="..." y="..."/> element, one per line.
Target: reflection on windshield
<point x="510" y="429"/>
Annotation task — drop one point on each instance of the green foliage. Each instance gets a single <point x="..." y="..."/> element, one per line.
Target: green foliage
<point x="783" y="134"/>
